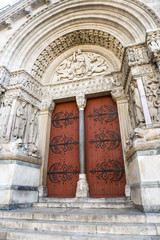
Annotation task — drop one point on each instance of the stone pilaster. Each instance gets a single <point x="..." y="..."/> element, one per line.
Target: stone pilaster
<point x="44" y="136"/>
<point x="82" y="184"/>
<point x="120" y="98"/>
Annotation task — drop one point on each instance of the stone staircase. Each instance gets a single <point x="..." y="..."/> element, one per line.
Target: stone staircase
<point x="80" y="219"/>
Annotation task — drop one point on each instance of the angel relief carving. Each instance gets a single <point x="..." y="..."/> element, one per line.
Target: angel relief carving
<point x="81" y="64"/>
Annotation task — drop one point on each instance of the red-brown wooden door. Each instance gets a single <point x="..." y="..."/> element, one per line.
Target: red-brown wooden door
<point x="63" y="163"/>
<point x="104" y="159"/>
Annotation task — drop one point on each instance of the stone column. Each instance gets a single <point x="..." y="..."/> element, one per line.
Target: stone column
<point x="43" y="144"/>
<point x="119" y="97"/>
<point x="82" y="185"/>
<point x="144" y="102"/>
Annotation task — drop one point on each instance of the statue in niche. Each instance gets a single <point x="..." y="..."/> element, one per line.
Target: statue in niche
<point x="137" y="106"/>
<point x="33" y="127"/>
<point x="4" y="117"/>
<point x="20" y="121"/>
<point x="81" y="64"/>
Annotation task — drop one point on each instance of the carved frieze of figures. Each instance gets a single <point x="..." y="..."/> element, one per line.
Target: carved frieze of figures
<point x="5" y="109"/>
<point x="137" y="55"/>
<point x="81" y="64"/>
<point x="136" y="106"/>
<point x="26" y="82"/>
<point x="153" y="42"/>
<point x="152" y="91"/>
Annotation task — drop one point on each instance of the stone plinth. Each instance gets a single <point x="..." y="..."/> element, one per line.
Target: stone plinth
<point x="144" y="172"/>
<point x="19" y="180"/>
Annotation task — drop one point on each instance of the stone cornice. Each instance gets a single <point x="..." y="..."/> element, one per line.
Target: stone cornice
<point x="19" y="9"/>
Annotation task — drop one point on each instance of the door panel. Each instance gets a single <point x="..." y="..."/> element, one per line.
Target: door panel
<point x="104" y="159"/>
<point x="63" y="163"/>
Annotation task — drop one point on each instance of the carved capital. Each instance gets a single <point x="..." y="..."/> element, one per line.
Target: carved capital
<point x="118" y="94"/>
<point x="81" y="102"/>
<point x="153" y="42"/>
<point x="48" y="105"/>
<point x="137" y="55"/>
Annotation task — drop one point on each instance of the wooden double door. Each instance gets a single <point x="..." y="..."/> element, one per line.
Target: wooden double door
<point x="104" y="159"/>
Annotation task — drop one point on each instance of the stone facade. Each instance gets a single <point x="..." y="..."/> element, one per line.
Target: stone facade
<point x="55" y="51"/>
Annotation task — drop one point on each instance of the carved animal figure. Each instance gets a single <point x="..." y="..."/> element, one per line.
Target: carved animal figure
<point x="148" y="134"/>
<point x="12" y="147"/>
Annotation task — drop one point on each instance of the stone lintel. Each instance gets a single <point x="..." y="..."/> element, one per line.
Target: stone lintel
<point x="10" y="156"/>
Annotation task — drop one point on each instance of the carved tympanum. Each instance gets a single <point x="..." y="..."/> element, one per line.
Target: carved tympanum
<point x="81" y="64"/>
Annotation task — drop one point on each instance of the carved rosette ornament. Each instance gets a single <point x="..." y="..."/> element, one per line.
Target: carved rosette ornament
<point x="81" y="102"/>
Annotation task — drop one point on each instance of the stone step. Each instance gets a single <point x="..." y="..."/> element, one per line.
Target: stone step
<point x="85" y="203"/>
<point x="13" y="234"/>
<point x="3" y="234"/>
<point x="82" y="215"/>
<point x="83" y="227"/>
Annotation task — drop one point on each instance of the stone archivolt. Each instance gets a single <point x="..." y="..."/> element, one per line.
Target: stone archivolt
<point x="80" y="37"/>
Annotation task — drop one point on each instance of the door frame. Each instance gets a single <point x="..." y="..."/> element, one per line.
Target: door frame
<point x="118" y="96"/>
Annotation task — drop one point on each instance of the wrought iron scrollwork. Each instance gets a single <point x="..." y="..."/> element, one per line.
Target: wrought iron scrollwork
<point x="58" y="173"/>
<point x="59" y="119"/>
<point x="107" y="113"/>
<point x="110" y="139"/>
<point x="111" y="170"/>
<point x="59" y="144"/>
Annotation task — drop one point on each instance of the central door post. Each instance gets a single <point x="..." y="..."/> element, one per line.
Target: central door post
<point x="82" y="184"/>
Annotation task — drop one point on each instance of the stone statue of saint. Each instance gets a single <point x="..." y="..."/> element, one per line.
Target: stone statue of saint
<point x="20" y="121"/>
<point x="138" y="107"/>
<point x="4" y="117"/>
<point x="33" y="127"/>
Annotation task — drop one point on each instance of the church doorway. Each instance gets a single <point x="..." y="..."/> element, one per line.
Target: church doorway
<point x="104" y="158"/>
<point x="63" y="162"/>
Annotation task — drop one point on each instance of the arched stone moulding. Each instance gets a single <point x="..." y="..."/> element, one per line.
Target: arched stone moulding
<point x="37" y="36"/>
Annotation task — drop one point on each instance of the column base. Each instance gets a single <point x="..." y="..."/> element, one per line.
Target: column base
<point x="82" y="187"/>
<point x="42" y="191"/>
